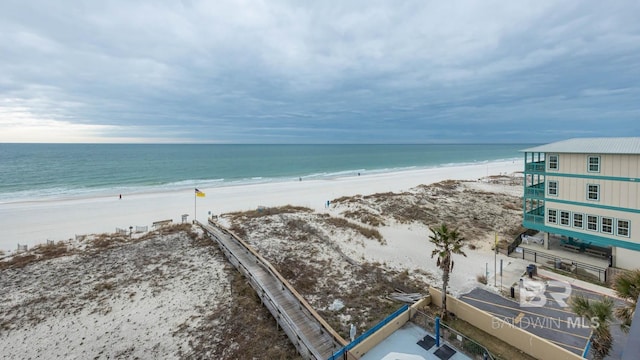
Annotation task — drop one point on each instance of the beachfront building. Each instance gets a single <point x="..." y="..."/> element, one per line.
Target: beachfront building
<point x="586" y="191"/>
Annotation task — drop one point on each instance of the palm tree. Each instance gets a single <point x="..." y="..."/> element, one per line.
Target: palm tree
<point x="600" y="315"/>
<point x="447" y="243"/>
<point x="627" y="286"/>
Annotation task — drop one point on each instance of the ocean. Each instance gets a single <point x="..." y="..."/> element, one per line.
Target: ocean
<point x="32" y="172"/>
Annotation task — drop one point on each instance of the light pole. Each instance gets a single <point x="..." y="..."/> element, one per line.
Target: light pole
<point x="495" y="261"/>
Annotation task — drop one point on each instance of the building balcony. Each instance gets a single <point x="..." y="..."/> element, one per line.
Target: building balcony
<point x="535" y="216"/>
<point x="536" y="167"/>
<point x="534" y="191"/>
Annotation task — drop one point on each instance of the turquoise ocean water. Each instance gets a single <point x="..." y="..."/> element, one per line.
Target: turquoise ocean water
<point x="31" y="172"/>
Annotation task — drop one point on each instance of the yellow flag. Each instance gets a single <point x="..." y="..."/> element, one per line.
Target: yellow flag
<point x="199" y="193"/>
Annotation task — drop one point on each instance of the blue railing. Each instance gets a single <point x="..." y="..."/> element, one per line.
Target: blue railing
<point x="538" y="166"/>
<point x="535" y="219"/>
<point x="338" y="354"/>
<point x="535" y="190"/>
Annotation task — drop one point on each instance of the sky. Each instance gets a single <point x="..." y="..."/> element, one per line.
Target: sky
<point x="221" y="71"/>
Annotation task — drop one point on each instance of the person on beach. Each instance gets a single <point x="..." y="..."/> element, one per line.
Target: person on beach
<point x="120" y="196"/>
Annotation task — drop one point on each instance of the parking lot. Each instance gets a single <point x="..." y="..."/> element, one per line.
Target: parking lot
<point x="551" y="321"/>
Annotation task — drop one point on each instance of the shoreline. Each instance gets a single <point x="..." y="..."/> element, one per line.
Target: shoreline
<point x="47" y="195"/>
<point x="35" y="222"/>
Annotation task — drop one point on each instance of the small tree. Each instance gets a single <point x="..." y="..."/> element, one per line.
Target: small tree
<point x="600" y="315"/>
<point x="627" y="286"/>
<point x="447" y="242"/>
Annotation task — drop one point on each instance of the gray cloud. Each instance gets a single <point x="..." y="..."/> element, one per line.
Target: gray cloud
<point x="280" y="71"/>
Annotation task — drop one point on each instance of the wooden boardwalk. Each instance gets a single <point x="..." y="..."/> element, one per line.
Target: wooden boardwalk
<point x="310" y="334"/>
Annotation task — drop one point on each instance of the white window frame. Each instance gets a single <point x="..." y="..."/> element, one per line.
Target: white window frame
<point x="555" y="216"/>
<point x="557" y="162"/>
<point x="565" y="220"/>
<point x="581" y="226"/>
<point x="597" y="192"/>
<point x="549" y="187"/>
<point x="597" y="222"/>
<point x="589" y="163"/>
<point x="602" y="225"/>
<point x="628" y="228"/>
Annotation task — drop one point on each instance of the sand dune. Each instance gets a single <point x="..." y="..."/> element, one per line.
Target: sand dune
<point x="169" y="295"/>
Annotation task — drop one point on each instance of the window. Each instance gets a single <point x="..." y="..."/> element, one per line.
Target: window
<point x="553" y="162"/>
<point x="553" y="188"/>
<point x="607" y="225"/>
<point x="577" y="220"/>
<point x="593" y="163"/>
<point x="593" y="192"/>
<point x="592" y="223"/>
<point x="623" y="228"/>
<point x="552" y="216"/>
<point x="564" y="218"/>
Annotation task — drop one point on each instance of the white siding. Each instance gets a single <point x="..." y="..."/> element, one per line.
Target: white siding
<point x="626" y="259"/>
<point x="634" y="219"/>
<point x="619" y="193"/>
<point x="623" y="193"/>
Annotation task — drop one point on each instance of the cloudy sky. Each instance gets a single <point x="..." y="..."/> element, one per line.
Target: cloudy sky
<point x="318" y="71"/>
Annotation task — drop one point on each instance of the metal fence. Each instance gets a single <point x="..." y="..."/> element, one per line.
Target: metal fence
<point x="581" y="270"/>
<point x="512" y="247"/>
<point x="451" y="336"/>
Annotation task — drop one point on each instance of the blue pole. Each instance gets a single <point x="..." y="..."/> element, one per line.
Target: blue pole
<point x="437" y="331"/>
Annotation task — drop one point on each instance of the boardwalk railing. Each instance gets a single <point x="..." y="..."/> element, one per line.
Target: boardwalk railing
<point x="303" y="344"/>
<point x="286" y="323"/>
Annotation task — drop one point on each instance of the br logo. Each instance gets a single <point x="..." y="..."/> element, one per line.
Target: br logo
<point x="533" y="293"/>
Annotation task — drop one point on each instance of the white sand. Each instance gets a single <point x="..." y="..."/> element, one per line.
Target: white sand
<point x="143" y="324"/>
<point x="131" y="302"/>
<point x="35" y="222"/>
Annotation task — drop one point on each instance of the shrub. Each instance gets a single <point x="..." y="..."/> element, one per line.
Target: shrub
<point x="473" y="347"/>
<point x="267" y="211"/>
<point x="368" y="232"/>
<point x="482" y="279"/>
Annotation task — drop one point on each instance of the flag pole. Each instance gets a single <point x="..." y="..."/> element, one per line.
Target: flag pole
<point x="196" y="194"/>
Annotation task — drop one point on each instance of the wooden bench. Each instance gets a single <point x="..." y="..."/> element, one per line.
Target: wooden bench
<point x="575" y="249"/>
<point x="596" y="253"/>
<point x="162" y="223"/>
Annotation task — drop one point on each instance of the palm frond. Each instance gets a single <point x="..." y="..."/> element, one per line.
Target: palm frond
<point x="580" y="305"/>
<point x="600" y="315"/>
<point x="627" y="285"/>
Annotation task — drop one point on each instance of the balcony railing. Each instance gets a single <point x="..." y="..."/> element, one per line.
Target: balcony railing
<point x="535" y="216"/>
<point x="536" y="190"/>
<point x="537" y="166"/>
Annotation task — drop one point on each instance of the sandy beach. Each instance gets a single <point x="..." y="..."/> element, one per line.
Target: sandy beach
<point x="173" y="295"/>
<point x="33" y="222"/>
